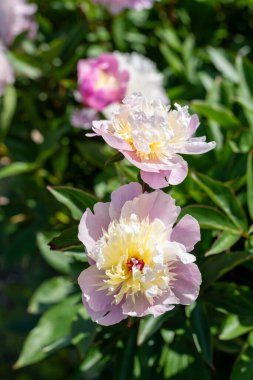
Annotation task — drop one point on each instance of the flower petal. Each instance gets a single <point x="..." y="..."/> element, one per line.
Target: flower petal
<point x="193" y="125"/>
<point x="92" y="225"/>
<point x="186" y="232"/>
<point x="156" y="205"/>
<point x="197" y="147"/>
<point x="187" y="282"/>
<point x="120" y="196"/>
<point x="113" y="141"/>
<point x="107" y="317"/>
<point x="89" y="281"/>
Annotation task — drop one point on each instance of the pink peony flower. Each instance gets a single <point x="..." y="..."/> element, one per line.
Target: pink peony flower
<point x="6" y="71"/>
<point x="151" y="136"/>
<point x="139" y="263"/>
<point x="116" y="6"/>
<point x="101" y="82"/>
<point x="15" y="18"/>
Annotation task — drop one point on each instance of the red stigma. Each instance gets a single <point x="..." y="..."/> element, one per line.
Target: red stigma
<point x="134" y="262"/>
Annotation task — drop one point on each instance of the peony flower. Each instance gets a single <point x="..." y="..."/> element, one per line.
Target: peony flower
<point x="116" y="6"/>
<point x="139" y="263"/>
<point x="15" y="18"/>
<point x="143" y="77"/>
<point x="100" y="81"/>
<point x="6" y="71"/>
<point x="151" y="136"/>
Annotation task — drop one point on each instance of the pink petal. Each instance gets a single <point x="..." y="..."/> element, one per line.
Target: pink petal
<point x="166" y="177"/>
<point x="114" y="316"/>
<point x="113" y="141"/>
<point x="186" y="232"/>
<point x="193" y="125"/>
<point x="137" y="308"/>
<point x="89" y="281"/>
<point x="110" y="316"/>
<point x="187" y="282"/>
<point x="197" y="147"/>
<point x="149" y="166"/>
<point x="92" y="225"/>
<point x="120" y="196"/>
<point x="156" y="180"/>
<point x="156" y="205"/>
<point x="178" y="175"/>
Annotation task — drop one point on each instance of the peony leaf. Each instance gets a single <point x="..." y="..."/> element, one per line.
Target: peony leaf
<point x="52" y="332"/>
<point x="224" y="198"/>
<point x="235" y="326"/>
<point x="50" y="292"/>
<point x="75" y="199"/>
<point x="243" y="367"/>
<point x="225" y="241"/>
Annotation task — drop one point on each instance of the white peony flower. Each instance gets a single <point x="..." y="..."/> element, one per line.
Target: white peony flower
<point x="143" y="77"/>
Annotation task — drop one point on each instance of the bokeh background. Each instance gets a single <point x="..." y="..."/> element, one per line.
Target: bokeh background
<point x="204" y="49"/>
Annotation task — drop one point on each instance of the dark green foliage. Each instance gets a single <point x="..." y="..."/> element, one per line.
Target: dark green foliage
<point x="204" y="49"/>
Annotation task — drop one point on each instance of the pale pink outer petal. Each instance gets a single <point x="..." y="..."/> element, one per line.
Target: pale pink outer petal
<point x="106" y="317"/>
<point x="113" y="141"/>
<point x="120" y="196"/>
<point x="156" y="205"/>
<point x="186" y="232"/>
<point x="155" y="180"/>
<point x="165" y="177"/>
<point x="91" y="226"/>
<point x="137" y="308"/>
<point x="197" y="147"/>
<point x="148" y="166"/>
<point x="193" y="125"/>
<point x="142" y="307"/>
<point x="178" y="175"/>
<point x="89" y="281"/>
<point x="187" y="282"/>
<point x="98" y="303"/>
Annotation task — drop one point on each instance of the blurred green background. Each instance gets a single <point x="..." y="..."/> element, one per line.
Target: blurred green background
<point x="204" y="48"/>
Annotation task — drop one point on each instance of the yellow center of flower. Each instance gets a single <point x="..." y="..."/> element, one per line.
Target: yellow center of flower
<point x="105" y="81"/>
<point x="136" y="257"/>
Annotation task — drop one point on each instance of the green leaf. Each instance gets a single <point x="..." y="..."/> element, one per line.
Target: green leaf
<point x="149" y="325"/>
<point x="243" y="367"/>
<point x="83" y="331"/>
<point x="50" y="292"/>
<point x="8" y="109"/>
<point x="201" y="330"/>
<point x="75" y="199"/>
<point x="216" y="266"/>
<point x="235" y="326"/>
<point x="57" y="260"/>
<point x="180" y="361"/>
<point x="221" y="62"/>
<point x="16" y="168"/>
<point x="66" y="240"/>
<point x="210" y="218"/>
<point x="224" y="198"/>
<point x="215" y="112"/>
<point x="22" y="65"/>
<point x="225" y="241"/>
<point x="52" y="332"/>
<point x="236" y="299"/>
<point x="250" y="183"/>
